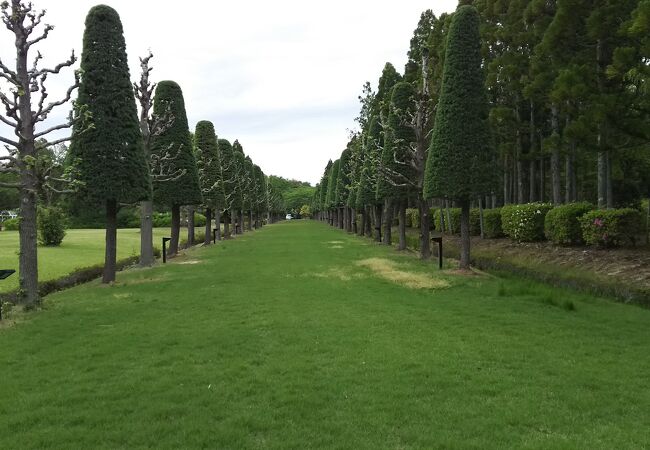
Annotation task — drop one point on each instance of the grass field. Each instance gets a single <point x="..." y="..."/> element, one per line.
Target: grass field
<point x="80" y="248"/>
<point x="301" y="336"/>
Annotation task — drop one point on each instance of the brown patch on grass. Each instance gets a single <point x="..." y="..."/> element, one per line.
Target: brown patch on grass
<point x="389" y="270"/>
<point x="335" y="242"/>
<point x="189" y="261"/>
<point x="123" y="295"/>
<point x="338" y="273"/>
<point x="139" y="281"/>
<point x="465" y="272"/>
<point x="336" y="246"/>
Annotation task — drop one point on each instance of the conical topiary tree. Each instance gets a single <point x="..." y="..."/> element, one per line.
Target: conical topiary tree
<point x="207" y="161"/>
<point x="175" y="142"/>
<point x="460" y="162"/>
<point x="109" y="154"/>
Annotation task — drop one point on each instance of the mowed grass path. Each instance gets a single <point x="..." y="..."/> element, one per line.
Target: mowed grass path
<point x="278" y="339"/>
<point x="79" y="249"/>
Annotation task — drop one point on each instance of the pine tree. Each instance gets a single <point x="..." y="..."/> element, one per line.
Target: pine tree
<point x="460" y="163"/>
<point x="330" y="199"/>
<point x="342" y="189"/>
<point x="110" y="154"/>
<point x="175" y="144"/>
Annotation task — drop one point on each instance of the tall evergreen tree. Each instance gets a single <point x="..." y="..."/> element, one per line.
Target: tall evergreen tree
<point x="110" y="154"/>
<point x="207" y="161"/>
<point x="460" y="163"/>
<point x="228" y="179"/>
<point x="175" y="144"/>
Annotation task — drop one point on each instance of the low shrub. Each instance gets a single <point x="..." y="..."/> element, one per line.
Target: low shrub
<point x="11" y="224"/>
<point x="562" y="223"/>
<point x="162" y="220"/>
<point x="525" y="223"/>
<point x="492" y="223"/>
<point x="51" y="224"/>
<point x="199" y="220"/>
<point x="128" y="217"/>
<point x="612" y="227"/>
<point x="413" y="218"/>
<point x="454" y="214"/>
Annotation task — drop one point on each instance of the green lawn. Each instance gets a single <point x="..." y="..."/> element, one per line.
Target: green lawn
<point x="80" y="248"/>
<point x="289" y="337"/>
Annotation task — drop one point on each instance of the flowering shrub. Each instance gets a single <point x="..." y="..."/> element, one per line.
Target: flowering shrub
<point x="612" y="227"/>
<point x="525" y="223"/>
<point x="562" y="225"/>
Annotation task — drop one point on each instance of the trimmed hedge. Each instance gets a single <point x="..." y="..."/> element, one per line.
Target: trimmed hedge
<point x="612" y="227"/>
<point x="562" y="223"/>
<point x="454" y="213"/>
<point x="525" y="223"/>
<point x="492" y="223"/>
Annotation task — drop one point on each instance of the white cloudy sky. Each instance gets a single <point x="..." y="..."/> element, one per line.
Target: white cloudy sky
<point x="281" y="76"/>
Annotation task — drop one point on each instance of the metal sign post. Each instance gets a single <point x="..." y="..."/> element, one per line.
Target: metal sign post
<point x="164" y="245"/>
<point x="439" y="241"/>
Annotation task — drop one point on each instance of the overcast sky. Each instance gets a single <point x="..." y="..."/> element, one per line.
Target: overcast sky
<point x="281" y="76"/>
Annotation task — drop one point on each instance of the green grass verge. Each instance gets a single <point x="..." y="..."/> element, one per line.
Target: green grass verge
<point x="79" y="249"/>
<point x="281" y="339"/>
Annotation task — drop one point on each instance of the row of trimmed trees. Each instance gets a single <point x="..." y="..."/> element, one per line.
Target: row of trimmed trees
<point x="493" y="97"/>
<point x="115" y="157"/>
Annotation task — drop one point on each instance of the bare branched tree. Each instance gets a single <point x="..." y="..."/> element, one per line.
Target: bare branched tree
<point x="23" y="95"/>
<point x="161" y="166"/>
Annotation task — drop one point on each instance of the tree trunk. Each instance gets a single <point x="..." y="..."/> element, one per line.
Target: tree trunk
<point x="608" y="182"/>
<point x="250" y="220"/>
<point x="532" y="185"/>
<point x="555" y="158"/>
<point x="519" y="163"/>
<point x="226" y="225"/>
<point x="355" y="228"/>
<point x="506" y="181"/>
<point x="464" y="234"/>
<point x="110" y="256"/>
<point x="146" y="234"/>
<point x="450" y="225"/>
<point x="480" y="216"/>
<point x="208" y="226"/>
<point x="542" y="179"/>
<point x="241" y="221"/>
<point x="402" y="225"/>
<point x="442" y="218"/>
<point x="28" y="255"/>
<point x="361" y="229"/>
<point x="378" y="221"/>
<point x="388" y="222"/>
<point x="217" y="222"/>
<point x="368" y="228"/>
<point x="176" y="230"/>
<point x="425" y="225"/>
<point x="532" y="182"/>
<point x="190" y="226"/>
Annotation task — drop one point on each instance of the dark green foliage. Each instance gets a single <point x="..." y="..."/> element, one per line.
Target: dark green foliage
<point x="399" y="138"/>
<point x="162" y="220"/>
<point x="175" y="141"/>
<point x="109" y="154"/>
<point x="343" y="179"/>
<point x="330" y="199"/>
<point x="612" y="227"/>
<point x="412" y="218"/>
<point x="239" y="174"/>
<point x="228" y="173"/>
<point x="260" y="189"/>
<point x="11" y="224"/>
<point x="207" y="162"/>
<point x="324" y="186"/>
<point x="460" y="162"/>
<point x="525" y="223"/>
<point x="492" y="223"/>
<point x="562" y="223"/>
<point x="51" y="226"/>
<point x="366" y="194"/>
